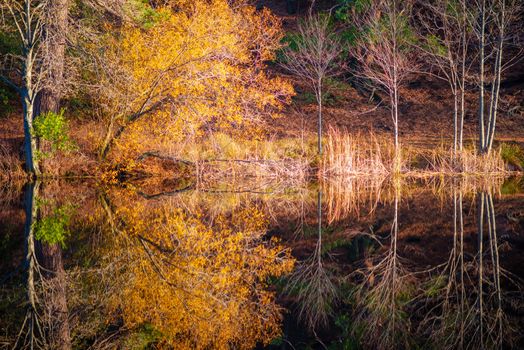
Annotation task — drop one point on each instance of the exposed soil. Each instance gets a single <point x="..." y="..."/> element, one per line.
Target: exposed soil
<point x="426" y="110"/>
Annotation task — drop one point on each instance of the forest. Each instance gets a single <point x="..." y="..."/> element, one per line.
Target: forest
<point x="91" y="88"/>
<point x="261" y="174"/>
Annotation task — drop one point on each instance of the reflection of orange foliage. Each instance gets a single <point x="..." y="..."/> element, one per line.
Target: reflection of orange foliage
<point x="201" y="286"/>
<point x="204" y="63"/>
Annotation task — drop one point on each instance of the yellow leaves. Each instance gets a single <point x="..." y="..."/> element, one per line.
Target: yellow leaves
<point x="201" y="64"/>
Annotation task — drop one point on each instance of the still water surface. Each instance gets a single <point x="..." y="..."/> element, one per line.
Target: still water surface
<point x="356" y="263"/>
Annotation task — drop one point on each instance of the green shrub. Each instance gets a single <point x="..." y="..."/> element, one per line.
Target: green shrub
<point x="512" y="154"/>
<point x="53" y="127"/>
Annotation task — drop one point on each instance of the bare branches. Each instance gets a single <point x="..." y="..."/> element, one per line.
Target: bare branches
<point x="384" y="51"/>
<point x="444" y="40"/>
<point x="315" y="58"/>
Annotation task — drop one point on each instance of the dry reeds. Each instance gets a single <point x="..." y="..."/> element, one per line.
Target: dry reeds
<point x="347" y="155"/>
<point x="10" y="165"/>
<point x="355" y="155"/>
<point x="468" y="161"/>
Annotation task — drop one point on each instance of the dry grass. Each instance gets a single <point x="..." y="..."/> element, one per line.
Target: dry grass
<point x="347" y="154"/>
<point x="468" y="161"/>
<point x="10" y="166"/>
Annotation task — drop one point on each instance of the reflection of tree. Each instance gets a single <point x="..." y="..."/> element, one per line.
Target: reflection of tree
<point x="313" y="283"/>
<point x="46" y="324"/>
<point x="382" y="294"/>
<point x="200" y="285"/>
<point x="464" y="304"/>
<point x="31" y="333"/>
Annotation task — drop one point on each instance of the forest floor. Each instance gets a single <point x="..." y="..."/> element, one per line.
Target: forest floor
<point x="426" y="104"/>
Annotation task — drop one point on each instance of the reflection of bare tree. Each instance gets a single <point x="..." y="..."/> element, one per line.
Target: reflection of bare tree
<point x="54" y="295"/>
<point x="313" y="283"/>
<point x="46" y="324"/>
<point x="382" y="294"/>
<point x="31" y="335"/>
<point x="464" y="303"/>
<point x="445" y="294"/>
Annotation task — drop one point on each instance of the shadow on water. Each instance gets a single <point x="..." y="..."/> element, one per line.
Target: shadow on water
<point x="371" y="263"/>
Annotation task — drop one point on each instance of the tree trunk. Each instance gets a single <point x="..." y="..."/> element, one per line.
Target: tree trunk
<point x="30" y="145"/>
<point x="319" y="117"/>
<point x="54" y="39"/>
<point x="462" y="81"/>
<point x="482" y="142"/>
<point x="455" y="121"/>
<point x="496" y="84"/>
<point x="50" y="258"/>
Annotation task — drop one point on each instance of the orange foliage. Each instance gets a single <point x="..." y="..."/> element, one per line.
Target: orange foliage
<point x="199" y="67"/>
<point x="201" y="286"/>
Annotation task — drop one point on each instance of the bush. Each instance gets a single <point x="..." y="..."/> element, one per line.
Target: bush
<point x="513" y="155"/>
<point x="53" y="127"/>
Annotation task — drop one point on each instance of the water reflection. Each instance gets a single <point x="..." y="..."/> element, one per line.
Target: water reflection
<point x="368" y="263"/>
<point x="312" y="284"/>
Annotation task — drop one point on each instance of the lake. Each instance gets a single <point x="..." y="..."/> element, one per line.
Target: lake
<point x="347" y="263"/>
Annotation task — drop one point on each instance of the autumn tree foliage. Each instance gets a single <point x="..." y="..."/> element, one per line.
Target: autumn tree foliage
<point x="195" y="66"/>
<point x="201" y="284"/>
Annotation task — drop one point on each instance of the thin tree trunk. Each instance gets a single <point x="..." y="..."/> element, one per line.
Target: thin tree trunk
<point x="27" y="95"/>
<point x="107" y="140"/>
<point x="319" y="97"/>
<point x="455" y="121"/>
<point x="482" y="142"/>
<point x="496" y="84"/>
<point x="463" y="77"/>
<point x="319" y="226"/>
<point x="462" y="114"/>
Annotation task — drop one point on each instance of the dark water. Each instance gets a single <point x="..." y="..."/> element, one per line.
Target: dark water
<point x="347" y="264"/>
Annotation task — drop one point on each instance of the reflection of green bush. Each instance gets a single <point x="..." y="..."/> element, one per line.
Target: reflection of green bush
<point x="143" y="338"/>
<point x="53" y="229"/>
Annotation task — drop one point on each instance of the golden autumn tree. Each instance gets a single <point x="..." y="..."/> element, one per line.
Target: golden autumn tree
<point x="199" y="66"/>
<point x="200" y="285"/>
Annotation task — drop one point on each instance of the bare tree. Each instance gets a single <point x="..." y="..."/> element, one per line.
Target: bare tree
<point x="315" y="58"/>
<point x="383" y="52"/>
<point x="25" y="72"/>
<point x="444" y="38"/>
<point x="493" y="30"/>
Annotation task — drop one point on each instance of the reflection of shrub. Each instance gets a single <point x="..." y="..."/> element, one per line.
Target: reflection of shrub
<point x="53" y="229"/>
<point x="53" y="127"/>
